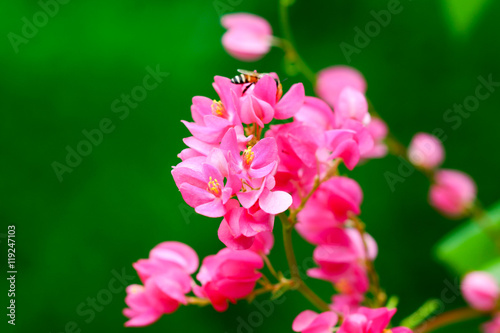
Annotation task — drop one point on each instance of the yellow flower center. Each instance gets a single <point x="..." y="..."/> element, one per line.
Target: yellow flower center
<point x="218" y="109"/>
<point x="213" y="186"/>
<point x="248" y="155"/>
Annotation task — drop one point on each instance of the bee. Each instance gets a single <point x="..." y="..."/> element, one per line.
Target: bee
<point x="252" y="78"/>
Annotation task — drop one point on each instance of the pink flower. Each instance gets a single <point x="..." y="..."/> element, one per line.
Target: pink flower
<point x="351" y="104"/>
<point x="329" y="207"/>
<point x="261" y="103"/>
<point x="346" y="303"/>
<point x="366" y="320"/>
<point x="311" y="322"/>
<point x="263" y="243"/>
<point x="227" y="276"/>
<point x="480" y="290"/>
<point x="248" y="36"/>
<point x="335" y="255"/>
<point x="378" y="131"/>
<point x="493" y="326"/>
<point x="453" y="193"/>
<point x="426" y="151"/>
<point x="161" y="294"/>
<point x="316" y="113"/>
<point x="165" y="256"/>
<point x="202" y="184"/>
<point x="240" y="226"/>
<point x="332" y="80"/>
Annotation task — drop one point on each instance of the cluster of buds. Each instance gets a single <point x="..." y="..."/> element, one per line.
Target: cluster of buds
<point x="452" y="192"/>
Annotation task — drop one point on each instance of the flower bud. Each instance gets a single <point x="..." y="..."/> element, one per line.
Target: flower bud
<point x="453" y="192"/>
<point x="248" y="36"/>
<point x="426" y="151"/>
<point x="480" y="290"/>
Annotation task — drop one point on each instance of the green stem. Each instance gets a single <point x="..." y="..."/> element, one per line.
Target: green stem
<point x="288" y="45"/>
<point x="447" y="318"/>
<point x="294" y="270"/>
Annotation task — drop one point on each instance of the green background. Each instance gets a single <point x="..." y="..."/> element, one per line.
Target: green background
<point x="121" y="200"/>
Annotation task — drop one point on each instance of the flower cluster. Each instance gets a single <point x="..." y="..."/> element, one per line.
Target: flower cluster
<point x="225" y="277"/>
<point x="254" y="153"/>
<point x="364" y="320"/>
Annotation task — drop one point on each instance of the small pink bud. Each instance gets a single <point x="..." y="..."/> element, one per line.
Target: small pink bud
<point x="248" y="36"/>
<point x="453" y="192"/>
<point x="426" y="151"/>
<point x="480" y="290"/>
<point x="332" y="80"/>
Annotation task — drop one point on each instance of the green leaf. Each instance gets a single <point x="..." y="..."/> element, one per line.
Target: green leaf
<point x="470" y="247"/>
<point x="463" y="14"/>
<point x="493" y="267"/>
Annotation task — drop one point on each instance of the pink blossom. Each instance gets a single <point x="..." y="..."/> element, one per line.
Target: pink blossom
<point x="248" y="36"/>
<point x="351" y="104"/>
<point x="493" y="326"/>
<point x="161" y="294"/>
<point x="378" y="131"/>
<point x="261" y="103"/>
<point x="202" y="184"/>
<point x="263" y="243"/>
<point x="213" y="118"/>
<point x="426" y="151"/>
<point x="346" y="303"/>
<point x="316" y="113"/>
<point x="366" y="320"/>
<point x="311" y="322"/>
<point x="335" y="256"/>
<point x="332" y="80"/>
<point x="452" y="193"/>
<point x="480" y="290"/>
<point x="165" y="256"/>
<point x="329" y="206"/>
<point x="227" y="276"/>
<point x="240" y="226"/>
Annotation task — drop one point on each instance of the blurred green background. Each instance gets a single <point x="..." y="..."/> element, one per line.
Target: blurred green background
<point x="121" y="201"/>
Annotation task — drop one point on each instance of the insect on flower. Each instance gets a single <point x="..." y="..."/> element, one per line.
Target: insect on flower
<point x="252" y="78"/>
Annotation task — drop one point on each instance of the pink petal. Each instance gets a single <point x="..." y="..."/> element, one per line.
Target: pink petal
<point x="213" y="208"/>
<point x="290" y="104"/>
<point x="332" y="80"/>
<point x="275" y="202"/>
<point x="303" y="320"/>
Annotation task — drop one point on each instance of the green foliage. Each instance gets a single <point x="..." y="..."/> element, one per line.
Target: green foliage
<point x="473" y="245"/>
<point x="463" y="14"/>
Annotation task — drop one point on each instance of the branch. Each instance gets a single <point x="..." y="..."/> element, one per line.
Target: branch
<point x="447" y="318"/>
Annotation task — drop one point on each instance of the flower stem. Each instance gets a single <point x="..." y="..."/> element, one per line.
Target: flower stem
<point x="287" y="43"/>
<point x="380" y="297"/>
<point x="294" y="270"/>
<point x="476" y="213"/>
<point x="270" y="266"/>
<point x="333" y="171"/>
<point x="447" y="318"/>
